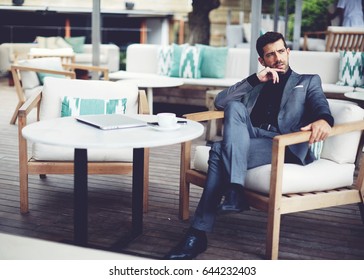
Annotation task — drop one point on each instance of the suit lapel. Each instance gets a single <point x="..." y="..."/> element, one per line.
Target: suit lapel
<point x="291" y="83"/>
<point x="252" y="97"/>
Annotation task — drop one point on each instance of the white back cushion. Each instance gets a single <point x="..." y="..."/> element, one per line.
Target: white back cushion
<point x="55" y="88"/>
<point x="237" y="63"/>
<point x="29" y="78"/>
<point x="142" y="58"/>
<point x="343" y="148"/>
<point x="325" y="64"/>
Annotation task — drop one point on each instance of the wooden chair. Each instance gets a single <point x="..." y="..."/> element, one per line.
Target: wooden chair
<point x="65" y="58"/>
<point x="280" y="188"/>
<point x="45" y="159"/>
<point x="338" y="38"/>
<point x="27" y="80"/>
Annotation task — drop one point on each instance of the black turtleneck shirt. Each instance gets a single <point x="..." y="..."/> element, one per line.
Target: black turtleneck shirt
<point x="267" y="106"/>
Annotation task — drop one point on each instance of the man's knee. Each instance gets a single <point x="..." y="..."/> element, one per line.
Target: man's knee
<point x="216" y="148"/>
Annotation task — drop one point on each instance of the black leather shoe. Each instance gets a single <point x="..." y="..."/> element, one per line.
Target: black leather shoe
<point x="191" y="246"/>
<point x="234" y="201"/>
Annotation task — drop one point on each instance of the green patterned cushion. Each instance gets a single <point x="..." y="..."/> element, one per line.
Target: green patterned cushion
<point x="351" y="69"/>
<point x="316" y="149"/>
<point x="190" y="62"/>
<point x="213" y="63"/>
<point x="42" y="75"/>
<point x="165" y="58"/>
<point x="176" y="57"/>
<point x="75" y="106"/>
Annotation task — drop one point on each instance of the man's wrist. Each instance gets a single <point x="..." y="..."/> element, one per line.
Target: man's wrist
<point x="253" y="80"/>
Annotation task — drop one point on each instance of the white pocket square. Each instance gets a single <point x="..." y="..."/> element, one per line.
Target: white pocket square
<point x="299" y="86"/>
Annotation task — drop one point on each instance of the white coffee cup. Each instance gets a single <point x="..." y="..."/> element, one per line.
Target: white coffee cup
<point x="167" y="119"/>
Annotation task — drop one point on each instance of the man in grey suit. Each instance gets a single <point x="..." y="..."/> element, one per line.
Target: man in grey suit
<point x="274" y="101"/>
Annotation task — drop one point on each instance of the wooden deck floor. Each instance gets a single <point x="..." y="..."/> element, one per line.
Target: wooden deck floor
<point x="333" y="233"/>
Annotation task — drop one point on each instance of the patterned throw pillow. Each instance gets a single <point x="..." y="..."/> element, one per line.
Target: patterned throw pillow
<point x="190" y="62"/>
<point x="351" y="69"/>
<point x="176" y="57"/>
<point x="75" y="106"/>
<point x="165" y="58"/>
<point x="316" y="149"/>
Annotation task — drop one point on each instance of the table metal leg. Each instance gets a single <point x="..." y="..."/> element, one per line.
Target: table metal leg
<point x="80" y="197"/>
<point x="137" y="193"/>
<point x="81" y="193"/>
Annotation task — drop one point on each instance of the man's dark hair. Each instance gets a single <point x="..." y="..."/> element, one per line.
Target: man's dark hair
<point x="268" y="38"/>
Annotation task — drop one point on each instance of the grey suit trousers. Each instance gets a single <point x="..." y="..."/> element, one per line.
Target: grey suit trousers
<point x="243" y="147"/>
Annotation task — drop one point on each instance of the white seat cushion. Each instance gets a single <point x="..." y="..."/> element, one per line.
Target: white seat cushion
<point x="30" y="92"/>
<point x="318" y="176"/>
<point x="335" y="168"/>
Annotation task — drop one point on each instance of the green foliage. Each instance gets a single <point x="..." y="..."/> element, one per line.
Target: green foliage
<point x="314" y="14"/>
<point x="122" y="60"/>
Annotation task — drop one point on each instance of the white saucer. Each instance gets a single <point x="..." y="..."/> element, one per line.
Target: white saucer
<point x="159" y="128"/>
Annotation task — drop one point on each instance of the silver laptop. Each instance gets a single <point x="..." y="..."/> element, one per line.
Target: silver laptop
<point x="110" y="121"/>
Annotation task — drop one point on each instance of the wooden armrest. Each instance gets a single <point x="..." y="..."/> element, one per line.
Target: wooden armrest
<point x="303" y="136"/>
<point x="29" y="105"/>
<point x="74" y="66"/>
<point x="205" y="116"/>
<point x="70" y="74"/>
<point x="278" y="151"/>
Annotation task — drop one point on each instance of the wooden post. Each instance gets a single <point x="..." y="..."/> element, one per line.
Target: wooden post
<point x="181" y="32"/>
<point x="67" y="28"/>
<point x="143" y="32"/>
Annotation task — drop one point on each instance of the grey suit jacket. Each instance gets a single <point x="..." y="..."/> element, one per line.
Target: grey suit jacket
<point x="303" y="102"/>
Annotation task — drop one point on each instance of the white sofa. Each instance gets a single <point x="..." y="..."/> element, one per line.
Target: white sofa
<point x="142" y="62"/>
<point x="109" y="55"/>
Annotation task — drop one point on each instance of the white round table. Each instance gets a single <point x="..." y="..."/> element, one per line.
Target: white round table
<point x="68" y="132"/>
<point x="153" y="82"/>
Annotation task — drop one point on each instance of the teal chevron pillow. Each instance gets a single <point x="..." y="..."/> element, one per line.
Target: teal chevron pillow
<point x="351" y="69"/>
<point x="190" y="63"/>
<point x="213" y="63"/>
<point x="165" y="59"/>
<point x="75" y="106"/>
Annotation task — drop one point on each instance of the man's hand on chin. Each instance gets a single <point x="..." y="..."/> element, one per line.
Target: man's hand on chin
<point x="270" y="74"/>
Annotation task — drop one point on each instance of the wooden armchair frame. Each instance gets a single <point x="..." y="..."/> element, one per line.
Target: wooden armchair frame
<point x="338" y="40"/>
<point x="276" y="203"/>
<point x="30" y="166"/>
<point x="65" y="58"/>
<point x="69" y="72"/>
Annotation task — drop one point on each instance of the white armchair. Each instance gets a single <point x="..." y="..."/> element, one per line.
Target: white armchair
<point x="28" y="76"/>
<point x="280" y="188"/>
<point x="46" y="159"/>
